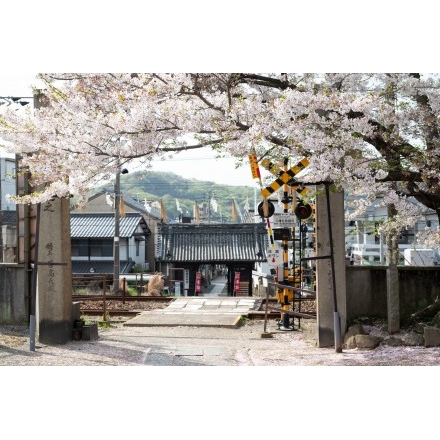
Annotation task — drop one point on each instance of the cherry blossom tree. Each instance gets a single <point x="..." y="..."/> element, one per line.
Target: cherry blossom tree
<point x="369" y="134"/>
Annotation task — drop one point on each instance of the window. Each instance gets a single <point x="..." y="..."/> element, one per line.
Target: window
<point x="80" y="247"/>
<point x="94" y="248"/>
<point x="10" y="170"/>
<point x="101" y="248"/>
<point x="107" y="247"/>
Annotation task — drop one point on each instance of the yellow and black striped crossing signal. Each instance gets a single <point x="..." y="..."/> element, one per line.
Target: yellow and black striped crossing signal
<point x="284" y="177"/>
<point x="301" y="190"/>
<point x="270" y="166"/>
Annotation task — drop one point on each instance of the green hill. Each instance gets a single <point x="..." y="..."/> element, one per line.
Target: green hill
<point x="170" y="187"/>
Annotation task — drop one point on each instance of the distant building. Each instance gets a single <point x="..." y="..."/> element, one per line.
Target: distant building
<point x="186" y="250"/>
<point x="92" y="240"/>
<point x="140" y="248"/>
<point x="8" y="213"/>
<point x="365" y="246"/>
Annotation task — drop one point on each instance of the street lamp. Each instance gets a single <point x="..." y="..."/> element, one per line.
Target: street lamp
<point x="116" y="268"/>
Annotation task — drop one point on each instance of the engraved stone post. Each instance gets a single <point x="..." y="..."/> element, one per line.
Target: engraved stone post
<point x="54" y="286"/>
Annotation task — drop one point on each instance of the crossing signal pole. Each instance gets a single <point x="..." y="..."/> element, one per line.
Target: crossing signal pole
<point x="287" y="294"/>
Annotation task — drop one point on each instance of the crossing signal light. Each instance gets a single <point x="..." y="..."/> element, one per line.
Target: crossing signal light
<point x="303" y="211"/>
<point x="270" y="209"/>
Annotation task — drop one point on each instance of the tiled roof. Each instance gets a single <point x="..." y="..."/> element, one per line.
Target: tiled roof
<point x="213" y="242"/>
<point x="84" y="225"/>
<point x="101" y="267"/>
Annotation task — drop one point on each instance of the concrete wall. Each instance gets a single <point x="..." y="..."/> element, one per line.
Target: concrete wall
<point x="419" y="286"/>
<point x="365" y="285"/>
<point x="14" y="306"/>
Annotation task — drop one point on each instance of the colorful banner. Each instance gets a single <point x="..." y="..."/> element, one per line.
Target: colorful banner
<point x="198" y="282"/>
<point x="254" y="167"/>
<point x="236" y="282"/>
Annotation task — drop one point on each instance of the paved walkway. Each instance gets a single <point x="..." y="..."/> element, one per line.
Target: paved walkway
<point x="217" y="287"/>
<point x="213" y="309"/>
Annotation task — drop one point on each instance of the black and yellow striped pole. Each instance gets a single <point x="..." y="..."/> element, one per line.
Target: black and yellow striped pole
<point x="284" y="178"/>
<point x="287" y="293"/>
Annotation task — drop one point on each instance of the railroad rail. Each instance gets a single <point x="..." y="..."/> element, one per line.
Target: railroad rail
<point x="121" y="298"/>
<point x="106" y="309"/>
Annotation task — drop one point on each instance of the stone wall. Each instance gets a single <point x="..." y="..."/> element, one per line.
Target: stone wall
<point x="366" y="291"/>
<point x="14" y="306"/>
<point x="419" y="286"/>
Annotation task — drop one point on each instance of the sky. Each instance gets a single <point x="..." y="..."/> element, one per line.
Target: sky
<point x="198" y="164"/>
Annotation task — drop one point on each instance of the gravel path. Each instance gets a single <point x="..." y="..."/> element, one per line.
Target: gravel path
<point x="202" y="346"/>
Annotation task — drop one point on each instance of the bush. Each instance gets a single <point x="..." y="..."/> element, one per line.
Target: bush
<point x="132" y="291"/>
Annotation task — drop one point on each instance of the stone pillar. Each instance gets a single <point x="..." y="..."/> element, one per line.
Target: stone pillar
<point x="325" y="295"/>
<point x="54" y="268"/>
<point x="393" y="301"/>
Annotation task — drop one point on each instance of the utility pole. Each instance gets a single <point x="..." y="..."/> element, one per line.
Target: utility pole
<point x="116" y="268"/>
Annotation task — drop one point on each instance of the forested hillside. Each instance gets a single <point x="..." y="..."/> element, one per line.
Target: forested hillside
<point x="179" y="195"/>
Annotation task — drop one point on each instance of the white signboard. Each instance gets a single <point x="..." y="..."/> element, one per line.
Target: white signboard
<point x="283" y="220"/>
<point x="274" y="256"/>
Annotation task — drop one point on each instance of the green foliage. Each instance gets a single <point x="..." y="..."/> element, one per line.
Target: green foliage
<point x="137" y="269"/>
<point x="132" y="291"/>
<point x="154" y="186"/>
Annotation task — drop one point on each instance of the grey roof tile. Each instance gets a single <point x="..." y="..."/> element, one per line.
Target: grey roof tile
<point x="100" y="267"/>
<point x="213" y="242"/>
<point x="84" y="225"/>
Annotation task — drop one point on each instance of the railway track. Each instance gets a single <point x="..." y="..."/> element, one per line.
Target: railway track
<point x="123" y="308"/>
<point x="119" y="305"/>
<point x="127" y="298"/>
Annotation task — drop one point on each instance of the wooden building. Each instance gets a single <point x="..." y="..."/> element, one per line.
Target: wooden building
<point x="184" y="250"/>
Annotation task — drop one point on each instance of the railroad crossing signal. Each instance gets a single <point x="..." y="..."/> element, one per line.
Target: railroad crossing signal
<point x="276" y="169"/>
<point x="284" y="177"/>
<point x="270" y="166"/>
<point x="270" y="209"/>
<point x="303" y="211"/>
